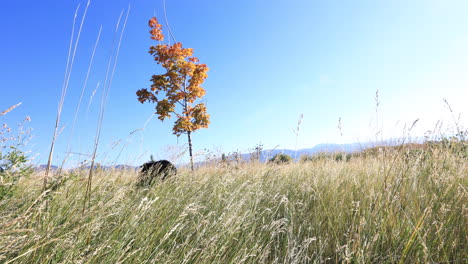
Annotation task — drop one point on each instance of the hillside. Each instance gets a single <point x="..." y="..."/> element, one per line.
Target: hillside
<point x="373" y="209"/>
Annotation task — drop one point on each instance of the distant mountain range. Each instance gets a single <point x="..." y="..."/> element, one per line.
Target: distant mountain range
<point x="120" y="166"/>
<point x="320" y="148"/>
<point x="44" y="166"/>
<point x="265" y="155"/>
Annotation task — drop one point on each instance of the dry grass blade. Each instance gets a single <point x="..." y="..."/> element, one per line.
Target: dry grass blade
<point x="107" y="85"/>
<point x="64" y="89"/>
<point x="10" y="109"/>
<point x="69" y="151"/>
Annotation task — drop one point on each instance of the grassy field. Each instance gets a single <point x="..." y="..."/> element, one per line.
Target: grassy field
<point x="397" y="205"/>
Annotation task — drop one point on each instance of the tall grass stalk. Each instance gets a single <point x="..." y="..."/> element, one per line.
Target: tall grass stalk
<point x="167" y="24"/>
<point x="296" y="133"/>
<point x="68" y="152"/>
<point x="70" y="61"/>
<point x="107" y="85"/>
<point x="10" y="109"/>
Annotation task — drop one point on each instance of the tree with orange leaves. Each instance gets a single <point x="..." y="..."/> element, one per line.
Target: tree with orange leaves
<point x="181" y="86"/>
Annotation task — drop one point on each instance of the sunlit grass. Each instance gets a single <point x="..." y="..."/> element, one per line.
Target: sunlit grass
<point x="396" y="206"/>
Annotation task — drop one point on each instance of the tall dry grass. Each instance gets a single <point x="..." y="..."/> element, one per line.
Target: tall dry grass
<point x="397" y="206"/>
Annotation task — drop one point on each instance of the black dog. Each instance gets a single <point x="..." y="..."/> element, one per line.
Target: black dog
<point x="153" y="169"/>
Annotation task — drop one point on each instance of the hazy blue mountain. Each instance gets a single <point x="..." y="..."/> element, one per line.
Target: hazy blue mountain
<point x="44" y="166"/>
<point x="112" y="167"/>
<point x="265" y="155"/>
<point x="320" y="148"/>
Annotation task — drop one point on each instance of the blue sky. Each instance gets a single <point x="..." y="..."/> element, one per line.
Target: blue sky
<point x="270" y="61"/>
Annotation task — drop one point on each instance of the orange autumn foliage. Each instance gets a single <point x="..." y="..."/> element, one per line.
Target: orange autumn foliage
<point x="179" y="86"/>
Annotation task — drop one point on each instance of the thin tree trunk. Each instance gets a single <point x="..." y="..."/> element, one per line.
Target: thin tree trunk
<point x="190" y="149"/>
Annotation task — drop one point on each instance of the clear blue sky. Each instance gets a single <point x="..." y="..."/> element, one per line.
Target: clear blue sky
<point x="270" y="61"/>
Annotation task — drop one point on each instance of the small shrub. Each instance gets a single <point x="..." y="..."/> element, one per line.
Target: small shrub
<point x="281" y="158"/>
<point x="256" y="152"/>
<point x="305" y="158"/>
<point x="316" y="157"/>
<point x="342" y="156"/>
<point x="13" y="160"/>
